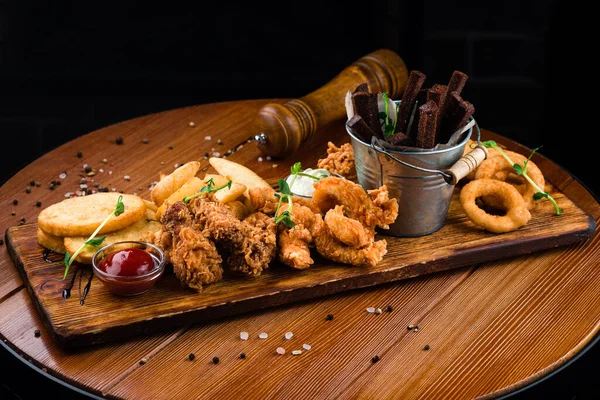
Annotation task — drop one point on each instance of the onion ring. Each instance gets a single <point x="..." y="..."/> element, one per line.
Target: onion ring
<point x="517" y="213"/>
<point x="493" y="168"/>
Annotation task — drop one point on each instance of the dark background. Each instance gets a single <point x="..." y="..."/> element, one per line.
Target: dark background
<point x="68" y="68"/>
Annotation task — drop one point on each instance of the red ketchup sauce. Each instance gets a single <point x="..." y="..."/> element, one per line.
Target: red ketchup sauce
<point x="130" y="262"/>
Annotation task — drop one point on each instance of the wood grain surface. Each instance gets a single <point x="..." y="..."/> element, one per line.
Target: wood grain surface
<point x="168" y="305"/>
<point x="491" y="327"/>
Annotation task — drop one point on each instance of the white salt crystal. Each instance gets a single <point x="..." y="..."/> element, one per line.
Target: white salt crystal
<point x="62" y="176"/>
<point x="296" y="352"/>
<point x="306" y="346"/>
<point x="244" y="335"/>
<point x="263" y="335"/>
<point x="280" y="350"/>
<point x="207" y="138"/>
<point x="371" y="309"/>
<point x="289" y="335"/>
<point x="216" y="154"/>
<point x="260" y="159"/>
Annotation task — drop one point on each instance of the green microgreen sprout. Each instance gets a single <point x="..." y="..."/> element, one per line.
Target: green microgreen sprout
<point x="284" y="196"/>
<point x="521" y="170"/>
<point x="388" y="126"/>
<point x="209" y="188"/>
<point x="93" y="240"/>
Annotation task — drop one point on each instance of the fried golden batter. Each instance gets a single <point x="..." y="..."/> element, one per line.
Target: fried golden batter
<point x="339" y="160"/>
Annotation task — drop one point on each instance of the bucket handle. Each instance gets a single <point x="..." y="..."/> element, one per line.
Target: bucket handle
<point x="458" y="170"/>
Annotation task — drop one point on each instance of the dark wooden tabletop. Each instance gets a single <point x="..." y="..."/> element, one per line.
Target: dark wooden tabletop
<point x="491" y="328"/>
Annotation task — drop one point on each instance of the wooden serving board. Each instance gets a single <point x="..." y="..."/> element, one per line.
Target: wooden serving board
<point x="107" y="317"/>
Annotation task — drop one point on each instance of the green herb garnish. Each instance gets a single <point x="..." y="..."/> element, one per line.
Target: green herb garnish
<point x="92" y="240"/>
<point x="284" y="196"/>
<point x="209" y="188"/>
<point x="521" y="170"/>
<point x="296" y="171"/>
<point x="388" y="127"/>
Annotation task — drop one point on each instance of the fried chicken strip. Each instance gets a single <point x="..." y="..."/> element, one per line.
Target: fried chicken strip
<point x="349" y="231"/>
<point x="251" y="242"/>
<point x="295" y="243"/>
<point x="333" y="249"/>
<point x="195" y="259"/>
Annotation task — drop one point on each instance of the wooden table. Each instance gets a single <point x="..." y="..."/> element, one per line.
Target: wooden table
<point x="491" y="328"/>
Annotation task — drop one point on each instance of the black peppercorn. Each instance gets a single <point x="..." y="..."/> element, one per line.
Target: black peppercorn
<point x="87" y="168"/>
<point x="170" y="147"/>
<point x="145" y="141"/>
<point x="15" y="202"/>
<point x="51" y="186"/>
<point x="13" y="213"/>
<point x="219" y="141"/>
<point x="389" y="308"/>
<point x="192" y="356"/>
<point x="37" y="184"/>
<point x="37" y="333"/>
<point x="32" y="183"/>
<point x="206" y="155"/>
<point x="329" y="317"/>
<point x="119" y="140"/>
<point x="215" y="360"/>
<point x="79" y="154"/>
<point x="375" y="359"/>
<point x="22" y="220"/>
<point x="243" y="355"/>
<point x="426" y="347"/>
<point x="28" y="189"/>
<point x="38" y="203"/>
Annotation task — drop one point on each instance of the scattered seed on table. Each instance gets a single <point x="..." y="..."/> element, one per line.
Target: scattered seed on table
<point x="410" y="327"/>
<point x="13" y="213"/>
<point x="37" y="333"/>
<point x="244" y="335"/>
<point x="191" y="356"/>
<point x="296" y="352"/>
<point x="274" y="165"/>
<point x="28" y="189"/>
<point x="57" y="183"/>
<point x="15" y="202"/>
<point x="243" y="355"/>
<point x="145" y="141"/>
<point x="416" y="329"/>
<point x="82" y="181"/>
<point x="216" y="154"/>
<point x="87" y="168"/>
<point x="219" y="141"/>
<point x="38" y="203"/>
<point x="329" y="317"/>
<point x="22" y="220"/>
<point x="31" y="182"/>
<point x="375" y="359"/>
<point x="263" y="335"/>
<point x="206" y="155"/>
<point x="79" y="154"/>
<point x="127" y="177"/>
<point x="426" y="347"/>
<point x="306" y="346"/>
<point x="51" y="186"/>
<point x="389" y="308"/>
<point x="170" y="147"/>
<point x="192" y="124"/>
<point x="37" y="184"/>
<point x="371" y="309"/>
<point x="207" y="138"/>
<point x="260" y="159"/>
<point x="378" y="311"/>
<point x="215" y="360"/>
<point x="288" y="335"/>
<point x="280" y="351"/>
<point x="104" y="160"/>
<point x="143" y="361"/>
<point x="119" y="140"/>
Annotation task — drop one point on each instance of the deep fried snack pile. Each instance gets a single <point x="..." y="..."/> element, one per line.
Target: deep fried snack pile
<point x="197" y="236"/>
<point x="423" y="118"/>
<point x="494" y="186"/>
<point x="339" y="222"/>
<point x="339" y="160"/>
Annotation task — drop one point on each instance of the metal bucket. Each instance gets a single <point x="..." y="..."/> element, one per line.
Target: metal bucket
<point x="415" y="178"/>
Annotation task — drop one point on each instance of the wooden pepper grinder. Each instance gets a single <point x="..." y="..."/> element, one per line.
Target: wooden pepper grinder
<point x="281" y="128"/>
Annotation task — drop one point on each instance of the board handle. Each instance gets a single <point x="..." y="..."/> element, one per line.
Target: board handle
<point x="282" y="128"/>
<point x="466" y="164"/>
